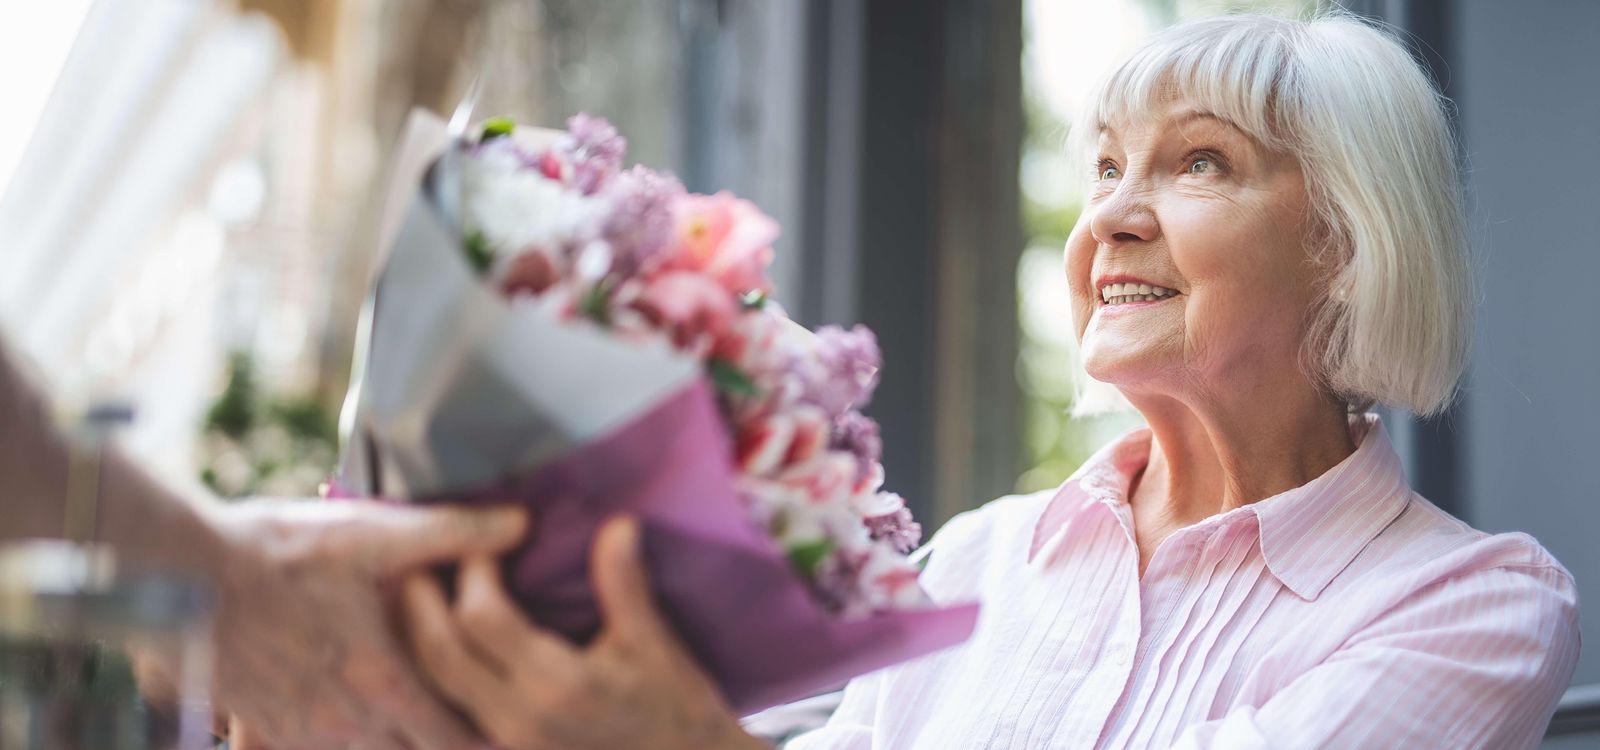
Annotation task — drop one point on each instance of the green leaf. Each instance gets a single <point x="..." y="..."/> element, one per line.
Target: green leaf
<point x="496" y="127"/>
<point x="807" y="557"/>
<point x="754" y="299"/>
<point x="729" y="379"/>
<point x="594" y="303"/>
<point x="478" y="252"/>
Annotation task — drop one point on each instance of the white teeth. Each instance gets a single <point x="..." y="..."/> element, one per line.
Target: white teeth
<point x="1114" y="293"/>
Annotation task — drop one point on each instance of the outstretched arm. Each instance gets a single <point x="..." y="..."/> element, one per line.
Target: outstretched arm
<point x="137" y="515"/>
<point x="305" y="652"/>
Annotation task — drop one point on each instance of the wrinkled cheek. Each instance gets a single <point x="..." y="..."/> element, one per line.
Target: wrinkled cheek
<point x="1197" y="336"/>
<point x="1227" y="337"/>
<point x="1077" y="262"/>
<point x="1080" y="311"/>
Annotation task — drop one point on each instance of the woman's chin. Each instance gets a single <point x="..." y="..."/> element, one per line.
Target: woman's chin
<point x="1119" y="362"/>
<point x="1122" y="372"/>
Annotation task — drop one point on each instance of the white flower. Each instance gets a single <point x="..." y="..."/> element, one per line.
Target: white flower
<point x="869" y="503"/>
<point x="516" y="208"/>
<point x="890" y="582"/>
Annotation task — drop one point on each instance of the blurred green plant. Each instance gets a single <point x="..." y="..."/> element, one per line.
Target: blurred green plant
<point x="1054" y="444"/>
<point x="254" y="443"/>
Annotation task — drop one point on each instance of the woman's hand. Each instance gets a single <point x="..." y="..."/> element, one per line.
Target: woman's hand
<point x="634" y="686"/>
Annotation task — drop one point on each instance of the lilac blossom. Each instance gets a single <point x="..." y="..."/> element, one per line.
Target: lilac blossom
<point x="838" y="583"/>
<point x="896" y="527"/>
<point x="848" y="369"/>
<point x="596" y="151"/>
<point x="641" y="223"/>
<point x="857" y="434"/>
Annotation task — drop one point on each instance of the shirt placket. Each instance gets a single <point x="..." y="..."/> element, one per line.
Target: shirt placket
<point x="1154" y="600"/>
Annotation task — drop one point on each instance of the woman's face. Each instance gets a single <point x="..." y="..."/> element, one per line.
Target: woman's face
<point x="1186" y="201"/>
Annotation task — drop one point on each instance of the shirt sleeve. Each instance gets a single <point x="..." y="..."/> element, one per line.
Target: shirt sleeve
<point x="850" y="726"/>
<point x="1478" y="661"/>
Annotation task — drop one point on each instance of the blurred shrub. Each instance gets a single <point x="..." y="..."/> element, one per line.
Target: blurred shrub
<point x="253" y="443"/>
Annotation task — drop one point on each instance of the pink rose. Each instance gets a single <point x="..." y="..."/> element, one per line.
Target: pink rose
<point x="552" y="166"/>
<point x="726" y="238"/>
<point x="690" y="307"/>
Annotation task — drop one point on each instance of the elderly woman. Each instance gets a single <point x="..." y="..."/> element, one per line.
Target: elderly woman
<point x="1273" y="242"/>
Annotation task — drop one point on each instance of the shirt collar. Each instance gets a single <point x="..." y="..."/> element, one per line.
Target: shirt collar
<point x="1308" y="534"/>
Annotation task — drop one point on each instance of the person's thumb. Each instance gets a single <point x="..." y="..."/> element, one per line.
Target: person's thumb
<point x="402" y="538"/>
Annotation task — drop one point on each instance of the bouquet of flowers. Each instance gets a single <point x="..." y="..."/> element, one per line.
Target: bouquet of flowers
<point x="587" y="339"/>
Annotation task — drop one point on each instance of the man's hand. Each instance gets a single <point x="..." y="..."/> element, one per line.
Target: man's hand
<point x="306" y="654"/>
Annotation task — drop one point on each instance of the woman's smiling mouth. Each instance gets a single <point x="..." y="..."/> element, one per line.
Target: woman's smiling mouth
<point x="1132" y="294"/>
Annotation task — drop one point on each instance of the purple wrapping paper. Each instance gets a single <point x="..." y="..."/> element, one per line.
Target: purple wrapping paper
<point x="728" y="590"/>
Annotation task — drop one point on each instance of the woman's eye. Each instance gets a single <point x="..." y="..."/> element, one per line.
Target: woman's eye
<point x="1202" y="165"/>
<point x="1109" y="172"/>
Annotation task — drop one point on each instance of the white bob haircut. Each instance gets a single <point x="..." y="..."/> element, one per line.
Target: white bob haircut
<point x="1373" y="141"/>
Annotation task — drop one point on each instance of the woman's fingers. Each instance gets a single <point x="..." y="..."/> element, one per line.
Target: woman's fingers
<point x="496" y="628"/>
<point x="440" y="647"/>
<point x="627" y="607"/>
<point x="405" y="707"/>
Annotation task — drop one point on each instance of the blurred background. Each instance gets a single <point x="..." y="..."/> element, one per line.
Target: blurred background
<point x="186" y="190"/>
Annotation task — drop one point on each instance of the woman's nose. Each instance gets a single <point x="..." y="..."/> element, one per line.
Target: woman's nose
<point x="1125" y="216"/>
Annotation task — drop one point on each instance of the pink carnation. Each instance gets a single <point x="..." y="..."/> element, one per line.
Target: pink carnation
<point x="691" y="308"/>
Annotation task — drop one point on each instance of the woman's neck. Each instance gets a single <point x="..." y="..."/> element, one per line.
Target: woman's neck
<point x="1209" y="457"/>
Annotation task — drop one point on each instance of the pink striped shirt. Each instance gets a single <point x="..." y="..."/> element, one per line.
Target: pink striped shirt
<point x="1349" y="612"/>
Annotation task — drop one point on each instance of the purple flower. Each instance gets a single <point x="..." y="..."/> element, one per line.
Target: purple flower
<point x="596" y="151"/>
<point x="642" y="221"/>
<point x="837" y="582"/>
<point x="897" y="527"/>
<point x="848" y="372"/>
<point x="858" y="434"/>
